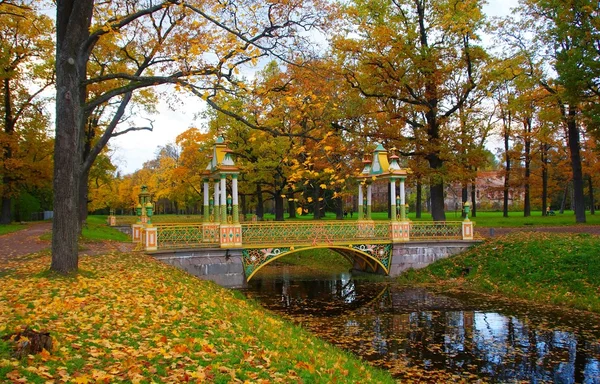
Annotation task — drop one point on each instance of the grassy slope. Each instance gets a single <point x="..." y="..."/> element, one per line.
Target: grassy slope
<point x="559" y="269"/>
<point x="129" y="317"/>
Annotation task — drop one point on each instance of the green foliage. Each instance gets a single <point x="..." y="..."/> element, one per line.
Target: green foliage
<point x="562" y="269"/>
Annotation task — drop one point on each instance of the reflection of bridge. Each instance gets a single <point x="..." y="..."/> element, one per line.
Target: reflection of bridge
<point x="238" y="250"/>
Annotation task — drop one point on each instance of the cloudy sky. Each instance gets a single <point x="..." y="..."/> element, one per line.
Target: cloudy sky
<point x="135" y="148"/>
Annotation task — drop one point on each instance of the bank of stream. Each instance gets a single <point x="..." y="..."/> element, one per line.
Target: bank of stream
<point x="419" y="335"/>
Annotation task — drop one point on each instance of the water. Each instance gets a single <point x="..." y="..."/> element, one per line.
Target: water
<point x="431" y="337"/>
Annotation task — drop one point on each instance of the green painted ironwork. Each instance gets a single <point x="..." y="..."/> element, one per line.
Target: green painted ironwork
<point x="255" y="258"/>
<point x="449" y="230"/>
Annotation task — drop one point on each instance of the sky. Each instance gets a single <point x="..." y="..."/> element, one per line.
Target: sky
<point x="131" y="150"/>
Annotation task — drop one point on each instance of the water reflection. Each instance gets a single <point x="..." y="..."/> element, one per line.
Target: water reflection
<point x="413" y="332"/>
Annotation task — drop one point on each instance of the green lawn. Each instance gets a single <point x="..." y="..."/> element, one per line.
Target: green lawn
<point x="483" y="219"/>
<point x="561" y="269"/>
<point x="9" y="228"/>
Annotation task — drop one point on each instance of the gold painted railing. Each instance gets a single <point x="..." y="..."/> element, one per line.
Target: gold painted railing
<point x="305" y="233"/>
<point x="181" y="236"/>
<point x="449" y="230"/>
<point x="314" y="233"/>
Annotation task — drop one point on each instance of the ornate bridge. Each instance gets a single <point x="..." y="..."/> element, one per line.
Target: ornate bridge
<point x="368" y="245"/>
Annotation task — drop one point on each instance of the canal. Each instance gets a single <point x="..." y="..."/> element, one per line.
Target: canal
<point x="428" y="337"/>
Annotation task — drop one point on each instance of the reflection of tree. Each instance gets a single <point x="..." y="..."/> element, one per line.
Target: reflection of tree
<point x="414" y="328"/>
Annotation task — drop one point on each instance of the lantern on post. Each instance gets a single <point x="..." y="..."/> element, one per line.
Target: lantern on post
<point x="149" y="212"/>
<point x="467" y="206"/>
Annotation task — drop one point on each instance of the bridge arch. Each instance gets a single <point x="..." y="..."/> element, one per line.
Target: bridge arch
<point x="370" y="257"/>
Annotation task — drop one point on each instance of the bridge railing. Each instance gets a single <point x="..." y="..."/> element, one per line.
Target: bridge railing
<point x="181" y="236"/>
<point x="448" y="230"/>
<point x="314" y="233"/>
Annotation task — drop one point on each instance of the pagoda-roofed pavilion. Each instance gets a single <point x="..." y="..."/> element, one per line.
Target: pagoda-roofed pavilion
<point x="382" y="168"/>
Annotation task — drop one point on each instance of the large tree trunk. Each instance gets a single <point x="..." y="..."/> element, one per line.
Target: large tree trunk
<point x="291" y="204"/>
<point x="9" y="129"/>
<point x="436" y="189"/>
<point x="73" y="19"/>
<point x="260" y="209"/>
<point x="419" y="207"/>
<point x="574" y="148"/>
<point x="278" y="206"/>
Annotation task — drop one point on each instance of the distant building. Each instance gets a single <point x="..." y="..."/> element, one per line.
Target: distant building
<point x="489" y="193"/>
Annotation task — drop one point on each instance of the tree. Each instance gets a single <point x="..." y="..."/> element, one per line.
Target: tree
<point x="407" y="52"/>
<point x="199" y="46"/>
<point x="26" y="71"/>
<point x="569" y="34"/>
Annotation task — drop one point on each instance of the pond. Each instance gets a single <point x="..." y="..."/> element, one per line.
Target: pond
<point x="419" y="335"/>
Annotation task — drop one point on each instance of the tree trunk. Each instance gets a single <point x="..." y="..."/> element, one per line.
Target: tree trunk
<point x="260" y="209"/>
<point x="591" y="194"/>
<point x="9" y="129"/>
<point x="563" y="203"/>
<point x="316" y="203"/>
<point x="339" y="205"/>
<point x="574" y="148"/>
<point x="464" y="197"/>
<point x="506" y="177"/>
<point x="291" y="204"/>
<point x="278" y="207"/>
<point x="83" y="196"/>
<point x="544" y="154"/>
<point x="474" y="198"/>
<point x="73" y="19"/>
<point x="527" y="198"/>
<point x="419" y="207"/>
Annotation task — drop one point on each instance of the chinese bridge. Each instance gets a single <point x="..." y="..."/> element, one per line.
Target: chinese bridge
<point x="230" y="252"/>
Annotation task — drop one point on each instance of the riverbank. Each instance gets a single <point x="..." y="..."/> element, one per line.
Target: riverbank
<point x="125" y="316"/>
<point x="560" y="269"/>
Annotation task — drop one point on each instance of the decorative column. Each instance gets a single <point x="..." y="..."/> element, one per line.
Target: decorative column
<point x="393" y="199"/>
<point x="136" y="229"/>
<point x="402" y="201"/>
<point x="206" y="205"/>
<point x="234" y="195"/>
<point x="151" y="233"/>
<point x="369" y="193"/>
<point x="112" y="219"/>
<point x="223" y="191"/>
<point x="361" y="208"/>
<point x="467" y="225"/>
<point x="217" y="204"/>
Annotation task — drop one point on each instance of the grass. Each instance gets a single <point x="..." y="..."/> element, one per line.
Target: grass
<point x="560" y="269"/>
<point x="10" y="228"/>
<point x="96" y="230"/>
<point x="483" y="219"/>
<point x="127" y="317"/>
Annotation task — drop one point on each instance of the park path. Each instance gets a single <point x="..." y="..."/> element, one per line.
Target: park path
<point x="26" y="241"/>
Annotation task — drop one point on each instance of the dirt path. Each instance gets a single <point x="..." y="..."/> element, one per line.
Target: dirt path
<point x="23" y="242"/>
<point x="17" y="244"/>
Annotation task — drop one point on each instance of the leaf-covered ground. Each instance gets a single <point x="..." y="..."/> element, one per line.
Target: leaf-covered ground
<point x="551" y="268"/>
<point x="126" y="317"/>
